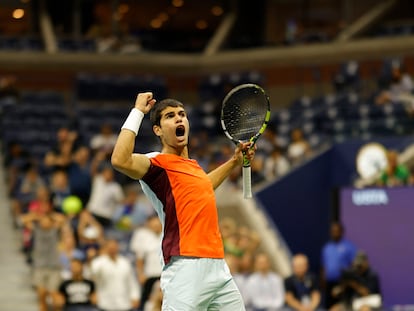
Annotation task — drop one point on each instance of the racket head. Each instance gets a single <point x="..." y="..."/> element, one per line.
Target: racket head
<point x="245" y="113"/>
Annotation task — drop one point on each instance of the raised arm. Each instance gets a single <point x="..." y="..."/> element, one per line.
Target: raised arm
<point x="219" y="174"/>
<point x="123" y="159"/>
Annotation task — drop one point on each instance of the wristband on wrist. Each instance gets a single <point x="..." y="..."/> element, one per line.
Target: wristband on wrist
<point x="133" y="121"/>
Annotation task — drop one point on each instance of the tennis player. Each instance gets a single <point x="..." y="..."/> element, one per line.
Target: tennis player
<point x="195" y="275"/>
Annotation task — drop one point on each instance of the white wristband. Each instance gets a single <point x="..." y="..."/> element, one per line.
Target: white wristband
<point x="134" y="120"/>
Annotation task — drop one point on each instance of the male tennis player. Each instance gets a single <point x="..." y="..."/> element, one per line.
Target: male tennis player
<point x="195" y="275"/>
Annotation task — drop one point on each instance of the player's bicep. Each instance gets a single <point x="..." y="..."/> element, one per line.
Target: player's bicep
<point x="136" y="167"/>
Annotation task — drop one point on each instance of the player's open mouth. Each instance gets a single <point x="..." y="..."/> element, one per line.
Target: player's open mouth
<point x="180" y="131"/>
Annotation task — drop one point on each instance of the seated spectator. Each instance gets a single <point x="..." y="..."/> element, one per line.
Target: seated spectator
<point x="90" y="232"/>
<point x="302" y="292"/>
<point x="337" y="255"/>
<point x="60" y="189"/>
<point x="359" y="288"/>
<point x="15" y="161"/>
<point x="299" y="148"/>
<point x="276" y="165"/>
<point x="400" y="90"/>
<point x="68" y="251"/>
<point x="264" y="288"/>
<point x="395" y="174"/>
<point x="77" y="293"/>
<point x="27" y="189"/>
<point x="134" y="211"/>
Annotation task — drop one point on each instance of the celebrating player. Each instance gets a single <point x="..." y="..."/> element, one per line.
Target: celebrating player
<point x="195" y="275"/>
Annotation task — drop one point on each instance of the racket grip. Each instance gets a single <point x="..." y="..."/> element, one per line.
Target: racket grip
<point x="247" y="182"/>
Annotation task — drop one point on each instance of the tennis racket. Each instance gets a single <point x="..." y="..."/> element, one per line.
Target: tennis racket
<point x="245" y="113"/>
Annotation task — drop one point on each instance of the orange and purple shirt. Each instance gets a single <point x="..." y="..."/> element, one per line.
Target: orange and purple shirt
<point x="183" y="196"/>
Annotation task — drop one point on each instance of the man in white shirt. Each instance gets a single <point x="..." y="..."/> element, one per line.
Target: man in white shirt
<point x="106" y="195"/>
<point x="117" y="287"/>
<point x="146" y="244"/>
<point x="264" y="288"/>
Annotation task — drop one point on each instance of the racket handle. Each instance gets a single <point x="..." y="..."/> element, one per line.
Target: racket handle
<point x="247" y="182"/>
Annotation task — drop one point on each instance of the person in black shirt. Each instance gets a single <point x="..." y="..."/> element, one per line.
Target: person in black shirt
<point x="358" y="283"/>
<point x="77" y="293"/>
<point x="301" y="289"/>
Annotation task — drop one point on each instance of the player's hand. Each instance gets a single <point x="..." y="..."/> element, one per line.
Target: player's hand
<point x="245" y="149"/>
<point x="145" y="102"/>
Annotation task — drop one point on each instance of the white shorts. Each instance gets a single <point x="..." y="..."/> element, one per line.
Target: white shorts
<point x="199" y="284"/>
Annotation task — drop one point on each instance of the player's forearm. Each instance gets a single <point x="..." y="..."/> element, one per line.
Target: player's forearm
<point x="122" y="154"/>
<point x="218" y="175"/>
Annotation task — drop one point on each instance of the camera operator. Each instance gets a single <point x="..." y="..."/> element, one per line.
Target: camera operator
<point x="359" y="288"/>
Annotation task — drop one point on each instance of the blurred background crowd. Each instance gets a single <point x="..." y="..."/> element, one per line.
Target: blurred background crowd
<point x="337" y="73"/>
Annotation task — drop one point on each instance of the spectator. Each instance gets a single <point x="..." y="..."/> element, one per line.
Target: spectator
<point x="302" y="292"/>
<point x="80" y="175"/>
<point x="116" y="283"/>
<point x="30" y="183"/>
<point x="46" y="263"/>
<point x="337" y="255"/>
<point x="146" y="244"/>
<point x="15" y="161"/>
<point x="234" y="263"/>
<point x="59" y="189"/>
<point x="154" y="303"/>
<point x="104" y="141"/>
<point x="264" y="288"/>
<point x="134" y="211"/>
<point x="67" y="252"/>
<point x="395" y="174"/>
<point x="400" y="90"/>
<point x="106" y="196"/>
<point x="276" y="165"/>
<point x="359" y="287"/>
<point x="299" y="148"/>
<point x="77" y="293"/>
<point x="89" y="231"/>
<point x="60" y="156"/>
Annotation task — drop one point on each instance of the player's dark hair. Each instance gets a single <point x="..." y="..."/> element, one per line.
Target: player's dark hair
<point x="155" y="114"/>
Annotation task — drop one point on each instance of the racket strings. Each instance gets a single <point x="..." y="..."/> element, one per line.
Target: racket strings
<point x="243" y="117"/>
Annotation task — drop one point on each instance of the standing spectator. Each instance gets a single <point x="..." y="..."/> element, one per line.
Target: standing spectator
<point x="276" y="165"/>
<point x="265" y="290"/>
<point x="359" y="288"/>
<point x="77" y="293"/>
<point x="117" y="288"/>
<point x="80" y="175"/>
<point x="302" y="292"/>
<point x="106" y="196"/>
<point x="60" y="156"/>
<point x="104" y="141"/>
<point x="154" y="303"/>
<point x="46" y="262"/>
<point x="337" y="255"/>
<point x="146" y="244"/>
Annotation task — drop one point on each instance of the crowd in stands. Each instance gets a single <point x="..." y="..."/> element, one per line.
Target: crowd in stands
<point x="116" y="220"/>
<point x="105" y="255"/>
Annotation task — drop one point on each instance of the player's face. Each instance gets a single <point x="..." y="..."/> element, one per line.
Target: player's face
<point x="174" y="127"/>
